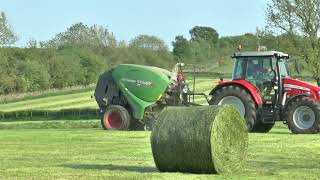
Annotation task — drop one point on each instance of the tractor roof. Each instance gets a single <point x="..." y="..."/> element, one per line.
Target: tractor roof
<point x="262" y="53"/>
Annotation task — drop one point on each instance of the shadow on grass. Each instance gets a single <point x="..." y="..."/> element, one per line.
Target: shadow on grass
<point x="140" y="169"/>
<point x="280" y="132"/>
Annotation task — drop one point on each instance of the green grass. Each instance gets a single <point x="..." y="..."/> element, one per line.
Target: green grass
<point x="5" y="99"/>
<point x="98" y="154"/>
<point x="65" y="101"/>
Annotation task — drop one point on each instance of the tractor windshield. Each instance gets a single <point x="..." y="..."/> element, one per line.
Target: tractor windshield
<point x="253" y="68"/>
<point x="257" y="70"/>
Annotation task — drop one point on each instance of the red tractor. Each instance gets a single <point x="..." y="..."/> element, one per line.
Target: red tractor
<point x="264" y="93"/>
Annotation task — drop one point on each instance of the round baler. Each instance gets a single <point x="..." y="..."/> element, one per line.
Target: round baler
<point x="128" y="95"/>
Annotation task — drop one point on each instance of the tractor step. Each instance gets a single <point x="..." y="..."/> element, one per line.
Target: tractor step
<point x="268" y="115"/>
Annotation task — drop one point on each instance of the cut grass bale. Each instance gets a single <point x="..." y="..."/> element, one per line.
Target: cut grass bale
<point x="203" y="139"/>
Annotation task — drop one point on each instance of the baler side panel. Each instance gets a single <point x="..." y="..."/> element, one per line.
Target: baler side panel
<point x="142" y="85"/>
<point x="138" y="106"/>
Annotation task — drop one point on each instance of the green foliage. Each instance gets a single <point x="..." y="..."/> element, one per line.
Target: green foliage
<point x="7" y="36"/>
<point x="248" y="41"/>
<point x="207" y="34"/>
<point x="299" y="19"/>
<point x="181" y="48"/>
<point x="203" y="47"/>
<point x="148" y="42"/>
<point x="65" y="70"/>
<point x="82" y="35"/>
<point x="35" y="74"/>
<point x="75" y="57"/>
<point x="34" y="69"/>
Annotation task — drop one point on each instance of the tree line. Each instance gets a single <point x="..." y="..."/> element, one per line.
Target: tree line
<point x="74" y="57"/>
<point x="79" y="54"/>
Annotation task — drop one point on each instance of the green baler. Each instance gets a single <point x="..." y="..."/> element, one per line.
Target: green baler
<point x="130" y="95"/>
<point x="141" y="85"/>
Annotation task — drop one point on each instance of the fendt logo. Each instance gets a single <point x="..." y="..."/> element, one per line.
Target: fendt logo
<point x="137" y="82"/>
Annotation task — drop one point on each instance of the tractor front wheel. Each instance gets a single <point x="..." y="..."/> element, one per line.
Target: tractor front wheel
<point x="303" y="115"/>
<point x="116" y="118"/>
<point x="240" y="99"/>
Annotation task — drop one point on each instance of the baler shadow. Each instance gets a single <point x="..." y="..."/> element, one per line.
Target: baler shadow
<point x="140" y="169"/>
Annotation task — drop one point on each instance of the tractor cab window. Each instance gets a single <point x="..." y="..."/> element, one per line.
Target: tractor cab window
<point x="284" y="71"/>
<point x="240" y="68"/>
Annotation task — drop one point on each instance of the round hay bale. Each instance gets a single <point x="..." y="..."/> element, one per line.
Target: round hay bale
<point x="203" y="139"/>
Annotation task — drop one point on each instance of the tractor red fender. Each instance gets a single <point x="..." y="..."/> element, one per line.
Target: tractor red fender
<point x="255" y="93"/>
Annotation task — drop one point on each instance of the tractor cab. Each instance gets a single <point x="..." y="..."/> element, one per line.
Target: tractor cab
<point x="264" y="70"/>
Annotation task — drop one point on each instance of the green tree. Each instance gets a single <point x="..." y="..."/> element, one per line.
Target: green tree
<point x="80" y="34"/>
<point x="204" y="33"/>
<point x="148" y="42"/>
<point x="181" y="48"/>
<point x="35" y="75"/>
<point x="201" y="51"/>
<point x="65" y="70"/>
<point x="299" y="18"/>
<point x="7" y="36"/>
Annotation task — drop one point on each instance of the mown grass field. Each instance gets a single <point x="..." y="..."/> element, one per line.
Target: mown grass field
<point x="97" y="154"/>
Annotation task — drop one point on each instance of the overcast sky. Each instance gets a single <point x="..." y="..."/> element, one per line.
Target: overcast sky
<point x="42" y="19"/>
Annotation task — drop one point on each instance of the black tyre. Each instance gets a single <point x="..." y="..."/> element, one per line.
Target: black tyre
<point x="262" y="127"/>
<point x="303" y="115"/>
<point x="116" y="118"/>
<point x="240" y="99"/>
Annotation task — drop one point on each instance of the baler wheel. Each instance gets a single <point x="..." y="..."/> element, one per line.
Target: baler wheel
<point x="116" y="118"/>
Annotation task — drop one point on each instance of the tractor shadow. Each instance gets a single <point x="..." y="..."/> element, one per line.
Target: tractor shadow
<point x="111" y="167"/>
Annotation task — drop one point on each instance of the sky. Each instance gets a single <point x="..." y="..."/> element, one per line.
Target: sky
<point x="42" y="19"/>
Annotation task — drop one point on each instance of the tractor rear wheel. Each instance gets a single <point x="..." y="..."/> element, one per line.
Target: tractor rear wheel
<point x="116" y="118"/>
<point x="303" y="115"/>
<point x="240" y="99"/>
